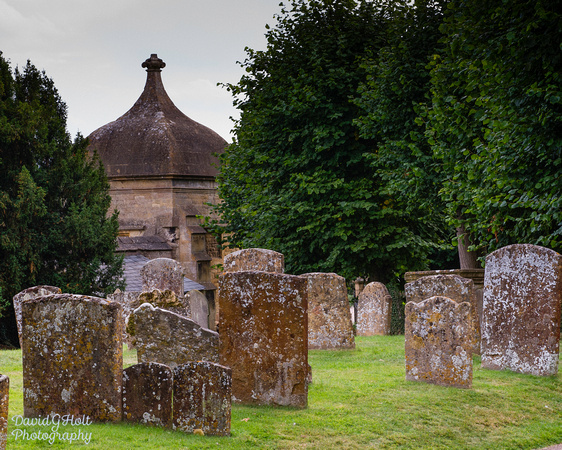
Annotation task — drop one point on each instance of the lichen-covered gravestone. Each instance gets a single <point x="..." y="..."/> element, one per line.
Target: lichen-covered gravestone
<point x="162" y="274"/>
<point x="4" y="397"/>
<point x="254" y="259"/>
<point x="374" y="308"/>
<point x="72" y="357"/>
<point x="264" y="337"/>
<point x="167" y="338"/>
<point x="454" y="287"/>
<point x="521" y="310"/>
<point x="26" y="294"/>
<point x="202" y="398"/>
<point x="436" y="342"/>
<point x="329" y="318"/>
<point x="147" y="394"/>
<point x="166" y="299"/>
<point x="199" y="307"/>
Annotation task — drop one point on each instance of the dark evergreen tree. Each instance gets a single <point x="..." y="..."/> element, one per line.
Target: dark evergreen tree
<point x="54" y="198"/>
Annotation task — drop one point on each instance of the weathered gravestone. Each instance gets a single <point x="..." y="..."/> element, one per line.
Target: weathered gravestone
<point x="202" y="398"/>
<point x="456" y="288"/>
<point x="166" y="299"/>
<point x="254" y="259"/>
<point x="4" y="398"/>
<point x="436" y="342"/>
<point x="147" y="394"/>
<point x="329" y="317"/>
<point x="162" y="274"/>
<point x="264" y="337"/>
<point x="72" y="357"/>
<point x="521" y="310"/>
<point x="32" y="292"/>
<point x="374" y="308"/>
<point x="167" y="338"/>
<point x="199" y="307"/>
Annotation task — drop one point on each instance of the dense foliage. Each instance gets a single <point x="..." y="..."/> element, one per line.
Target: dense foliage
<point x="54" y="199"/>
<point x="301" y="178"/>
<point x="495" y="122"/>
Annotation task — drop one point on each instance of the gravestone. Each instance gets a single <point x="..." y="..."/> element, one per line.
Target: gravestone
<point x="32" y="292"/>
<point x="167" y="338"/>
<point x="329" y="317"/>
<point x="72" y="357"/>
<point x="436" y="342"/>
<point x="202" y="398"/>
<point x="456" y="288"/>
<point x="254" y="259"/>
<point x="199" y="307"/>
<point x="147" y="394"/>
<point x="166" y="299"/>
<point x="374" y="309"/>
<point x="162" y="274"/>
<point x="264" y="337"/>
<point x="521" y="310"/>
<point x="4" y="400"/>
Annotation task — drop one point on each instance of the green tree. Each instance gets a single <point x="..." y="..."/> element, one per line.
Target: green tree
<point x="396" y="88"/>
<point x="495" y="121"/>
<point x="298" y="177"/>
<point x="54" y="198"/>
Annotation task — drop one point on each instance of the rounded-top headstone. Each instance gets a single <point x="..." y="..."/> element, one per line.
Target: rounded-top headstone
<point x="162" y="274"/>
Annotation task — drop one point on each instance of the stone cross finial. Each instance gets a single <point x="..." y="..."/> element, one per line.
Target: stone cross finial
<point x="154" y="64"/>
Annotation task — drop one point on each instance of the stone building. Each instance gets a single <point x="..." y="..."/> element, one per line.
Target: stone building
<point x="161" y="172"/>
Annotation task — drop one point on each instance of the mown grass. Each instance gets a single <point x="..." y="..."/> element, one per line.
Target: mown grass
<point x="358" y="399"/>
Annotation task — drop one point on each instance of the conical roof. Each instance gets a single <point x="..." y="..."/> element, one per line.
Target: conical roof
<point x="154" y="138"/>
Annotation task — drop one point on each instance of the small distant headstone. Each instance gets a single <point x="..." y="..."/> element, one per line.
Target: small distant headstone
<point x="437" y="349"/>
<point x="147" y="394"/>
<point x="72" y="357"/>
<point x="167" y="338"/>
<point x="264" y="337"/>
<point x="202" y="398"/>
<point x="4" y="400"/>
<point x="374" y="308"/>
<point x="163" y="274"/>
<point x="254" y="259"/>
<point x="199" y="307"/>
<point x="329" y="317"/>
<point x="32" y="292"/>
<point x="454" y="287"/>
<point x="521" y="310"/>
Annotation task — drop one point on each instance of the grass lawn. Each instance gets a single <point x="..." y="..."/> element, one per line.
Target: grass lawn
<point x="358" y="399"/>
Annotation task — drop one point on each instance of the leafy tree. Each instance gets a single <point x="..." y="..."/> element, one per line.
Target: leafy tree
<point x="495" y="121"/>
<point x="298" y="177"/>
<point x="397" y="85"/>
<point x="54" y="199"/>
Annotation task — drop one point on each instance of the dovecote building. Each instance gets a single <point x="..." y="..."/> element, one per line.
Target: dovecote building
<point x="161" y="169"/>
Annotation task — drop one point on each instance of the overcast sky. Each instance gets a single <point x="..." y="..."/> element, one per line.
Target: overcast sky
<point x="93" y="50"/>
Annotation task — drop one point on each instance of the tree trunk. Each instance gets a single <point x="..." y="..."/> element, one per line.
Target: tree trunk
<point x="468" y="260"/>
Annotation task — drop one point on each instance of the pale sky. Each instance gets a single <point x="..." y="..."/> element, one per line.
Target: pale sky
<point x="93" y="50"/>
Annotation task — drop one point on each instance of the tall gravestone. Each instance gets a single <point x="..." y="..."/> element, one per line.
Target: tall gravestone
<point x="26" y="294"/>
<point x="72" y="357"/>
<point x="167" y="338"/>
<point x="254" y="259"/>
<point x="147" y="394"/>
<point x="4" y="399"/>
<point x="162" y="274"/>
<point x="202" y="398"/>
<point x="329" y="318"/>
<point x="436" y="342"/>
<point x="521" y="310"/>
<point x="374" y="310"/>
<point x="454" y="287"/>
<point x="264" y="337"/>
<point x="199" y="307"/>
